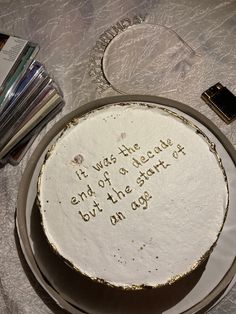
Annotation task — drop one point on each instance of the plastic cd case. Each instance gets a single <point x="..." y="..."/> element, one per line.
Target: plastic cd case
<point x="16" y="55"/>
<point x="29" y="97"/>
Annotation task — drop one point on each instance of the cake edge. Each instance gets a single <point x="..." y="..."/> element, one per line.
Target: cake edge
<point x="212" y="148"/>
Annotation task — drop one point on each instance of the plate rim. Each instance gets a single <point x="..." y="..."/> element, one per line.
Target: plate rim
<point x="52" y="133"/>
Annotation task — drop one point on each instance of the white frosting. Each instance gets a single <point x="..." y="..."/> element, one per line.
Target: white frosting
<point x="132" y="241"/>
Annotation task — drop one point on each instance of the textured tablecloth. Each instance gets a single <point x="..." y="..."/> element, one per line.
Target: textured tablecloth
<point x="66" y="32"/>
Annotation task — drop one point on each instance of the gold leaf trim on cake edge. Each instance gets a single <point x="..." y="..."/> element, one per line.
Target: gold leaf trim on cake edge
<point x="173" y="279"/>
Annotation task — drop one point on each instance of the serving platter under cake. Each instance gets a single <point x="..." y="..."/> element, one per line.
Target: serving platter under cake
<point x="75" y="294"/>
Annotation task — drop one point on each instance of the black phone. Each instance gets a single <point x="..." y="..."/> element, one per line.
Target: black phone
<point x="222" y="101"/>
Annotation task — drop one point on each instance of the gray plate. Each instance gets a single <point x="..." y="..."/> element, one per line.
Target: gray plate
<point x="73" y="293"/>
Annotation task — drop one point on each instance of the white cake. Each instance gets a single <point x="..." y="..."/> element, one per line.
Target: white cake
<point x="132" y="195"/>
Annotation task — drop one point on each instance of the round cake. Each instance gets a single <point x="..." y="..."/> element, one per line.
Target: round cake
<point x="132" y="195"/>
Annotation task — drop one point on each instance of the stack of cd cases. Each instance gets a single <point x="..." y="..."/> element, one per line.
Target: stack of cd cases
<point x="29" y="98"/>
